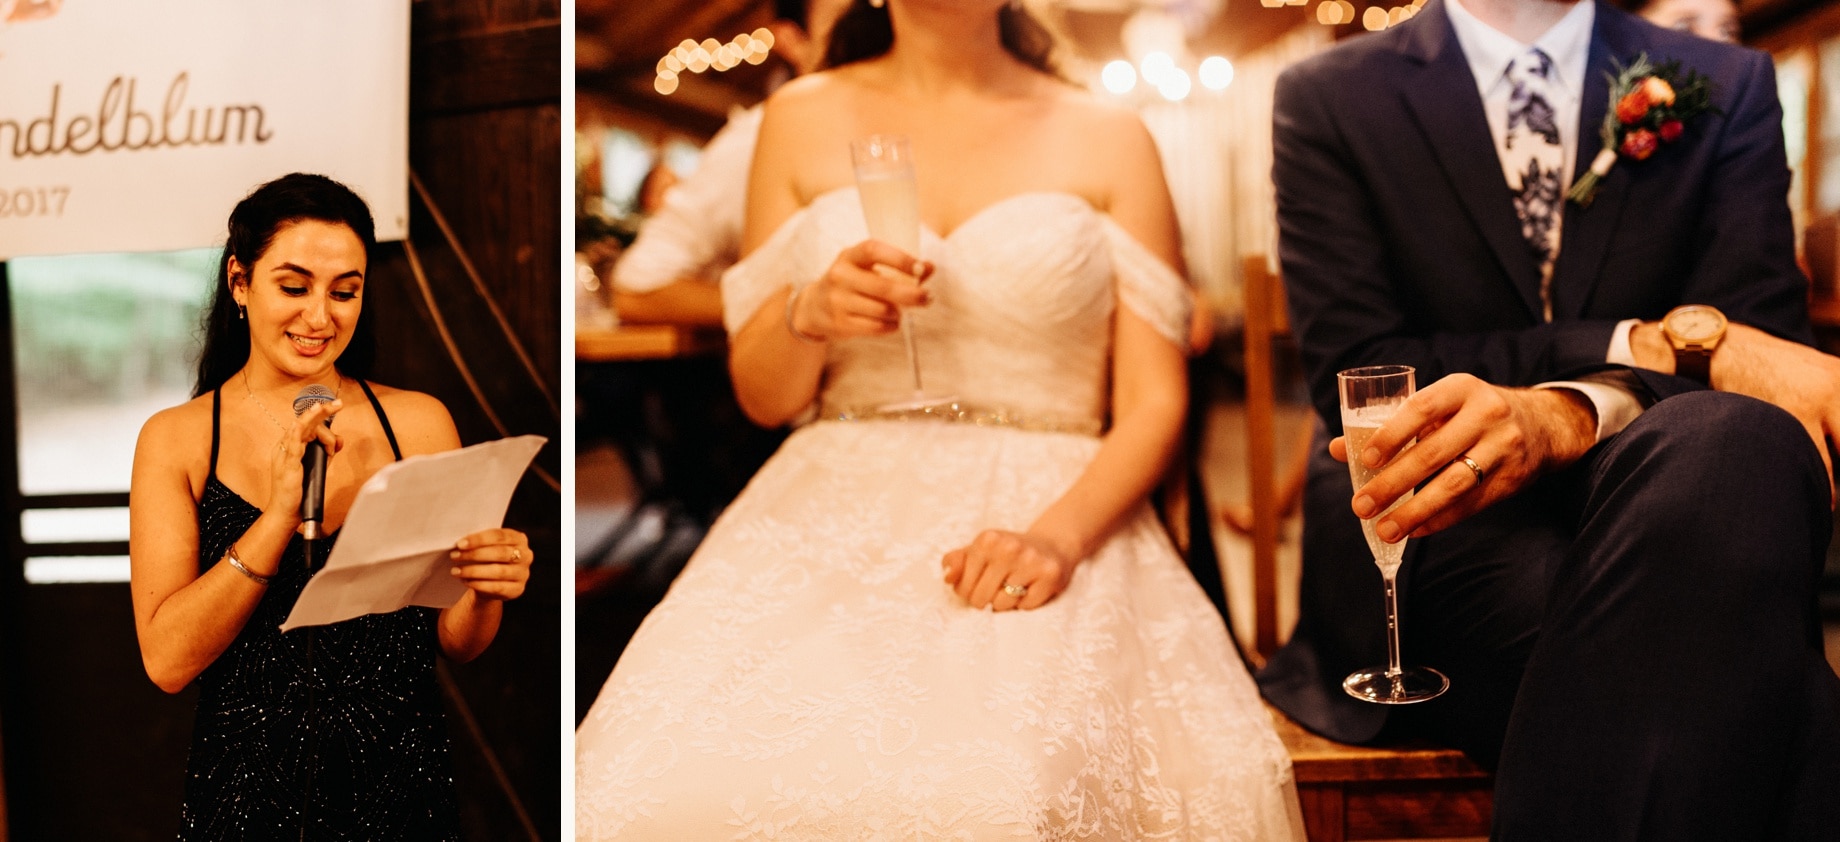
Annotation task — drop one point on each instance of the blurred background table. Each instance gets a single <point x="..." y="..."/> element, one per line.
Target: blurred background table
<point x="628" y="343"/>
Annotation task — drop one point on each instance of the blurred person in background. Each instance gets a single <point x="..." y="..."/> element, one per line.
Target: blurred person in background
<point x="669" y="273"/>
<point x="1714" y="19"/>
<point x="675" y="422"/>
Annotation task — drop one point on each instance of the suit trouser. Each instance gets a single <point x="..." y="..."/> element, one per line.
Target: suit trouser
<point x="1636" y="641"/>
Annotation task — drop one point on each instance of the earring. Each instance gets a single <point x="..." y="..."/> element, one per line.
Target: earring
<point x="878" y="3"/>
<point x="241" y="312"/>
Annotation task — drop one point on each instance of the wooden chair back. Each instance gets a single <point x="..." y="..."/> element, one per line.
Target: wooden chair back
<point x="1266" y="319"/>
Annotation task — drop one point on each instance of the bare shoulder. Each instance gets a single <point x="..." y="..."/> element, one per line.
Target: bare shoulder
<point x="1115" y="148"/>
<point x="421" y="422"/>
<point x="1108" y="124"/>
<point x="174" y="448"/>
<point x="808" y="95"/>
<point x="177" y="432"/>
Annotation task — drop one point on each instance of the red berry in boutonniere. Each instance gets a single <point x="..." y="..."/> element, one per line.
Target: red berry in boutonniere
<point x="1651" y="106"/>
<point x="1640" y="144"/>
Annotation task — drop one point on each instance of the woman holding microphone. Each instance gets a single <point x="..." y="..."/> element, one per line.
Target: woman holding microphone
<point x="329" y="732"/>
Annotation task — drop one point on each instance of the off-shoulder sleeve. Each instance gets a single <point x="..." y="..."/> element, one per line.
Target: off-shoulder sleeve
<point x="1148" y="287"/>
<point x="786" y="258"/>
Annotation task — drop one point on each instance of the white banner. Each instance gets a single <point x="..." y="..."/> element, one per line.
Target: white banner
<point x="136" y="126"/>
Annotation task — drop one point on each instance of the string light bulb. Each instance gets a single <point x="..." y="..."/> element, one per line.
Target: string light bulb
<point x="1216" y="73"/>
<point x="710" y="54"/>
<point x="1119" y="76"/>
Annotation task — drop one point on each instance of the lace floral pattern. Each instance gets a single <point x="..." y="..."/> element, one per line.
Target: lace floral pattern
<point x="810" y="677"/>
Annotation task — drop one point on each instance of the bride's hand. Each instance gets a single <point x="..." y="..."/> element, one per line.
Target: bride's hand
<point x="979" y="571"/>
<point x="862" y="293"/>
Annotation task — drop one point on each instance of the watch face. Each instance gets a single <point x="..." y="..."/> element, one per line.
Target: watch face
<point x="1695" y="324"/>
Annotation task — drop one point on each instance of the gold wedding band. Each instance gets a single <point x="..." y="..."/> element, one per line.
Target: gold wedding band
<point x="1471" y="464"/>
<point x="1017" y="591"/>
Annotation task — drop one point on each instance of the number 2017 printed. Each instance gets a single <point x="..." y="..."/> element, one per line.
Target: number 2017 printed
<point x="33" y="201"/>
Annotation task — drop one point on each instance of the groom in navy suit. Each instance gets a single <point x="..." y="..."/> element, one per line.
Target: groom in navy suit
<point x="1623" y="504"/>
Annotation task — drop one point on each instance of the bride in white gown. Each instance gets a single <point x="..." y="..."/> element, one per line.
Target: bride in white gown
<point x="841" y="659"/>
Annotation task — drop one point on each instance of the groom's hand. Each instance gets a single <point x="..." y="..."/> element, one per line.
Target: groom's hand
<point x="1509" y="437"/>
<point x="1796" y="378"/>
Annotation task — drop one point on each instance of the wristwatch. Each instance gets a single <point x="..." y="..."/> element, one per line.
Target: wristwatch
<point x="1694" y="330"/>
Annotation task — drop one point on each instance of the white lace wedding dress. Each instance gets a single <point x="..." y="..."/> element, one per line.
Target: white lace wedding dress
<point x="810" y="676"/>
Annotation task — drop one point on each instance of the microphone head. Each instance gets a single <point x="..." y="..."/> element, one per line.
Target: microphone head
<point x="312" y="394"/>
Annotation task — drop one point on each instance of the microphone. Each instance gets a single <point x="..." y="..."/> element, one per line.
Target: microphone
<point x="313" y="463"/>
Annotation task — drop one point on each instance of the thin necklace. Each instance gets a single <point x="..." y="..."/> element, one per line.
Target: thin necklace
<point x="251" y="395"/>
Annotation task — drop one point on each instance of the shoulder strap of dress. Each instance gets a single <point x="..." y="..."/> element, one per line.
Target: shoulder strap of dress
<point x="376" y="405"/>
<point x="217" y="402"/>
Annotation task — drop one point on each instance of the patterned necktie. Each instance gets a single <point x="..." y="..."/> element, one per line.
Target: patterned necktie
<point x="1534" y="160"/>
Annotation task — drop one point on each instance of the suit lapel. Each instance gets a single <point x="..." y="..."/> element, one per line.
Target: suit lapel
<point x="1441" y="94"/>
<point x="1587" y="231"/>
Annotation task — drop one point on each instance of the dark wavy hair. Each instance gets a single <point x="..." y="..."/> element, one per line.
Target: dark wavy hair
<point x="254" y="223"/>
<point x="865" y="31"/>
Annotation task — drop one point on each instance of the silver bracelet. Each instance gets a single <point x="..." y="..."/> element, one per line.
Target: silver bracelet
<point x="238" y="564"/>
<point x="791" y="302"/>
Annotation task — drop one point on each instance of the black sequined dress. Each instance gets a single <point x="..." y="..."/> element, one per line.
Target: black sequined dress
<point x="323" y="733"/>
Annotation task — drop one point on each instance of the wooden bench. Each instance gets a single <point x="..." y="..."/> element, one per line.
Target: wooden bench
<point x="1413" y="791"/>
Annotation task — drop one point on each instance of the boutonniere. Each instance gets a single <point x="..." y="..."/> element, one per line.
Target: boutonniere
<point x="1650" y="104"/>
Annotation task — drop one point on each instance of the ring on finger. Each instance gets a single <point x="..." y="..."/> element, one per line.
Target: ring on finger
<point x="1015" y="590"/>
<point x="517" y="555"/>
<point x="1475" y="468"/>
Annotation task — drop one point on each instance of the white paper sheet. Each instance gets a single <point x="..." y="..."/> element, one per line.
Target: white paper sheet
<point x="392" y="549"/>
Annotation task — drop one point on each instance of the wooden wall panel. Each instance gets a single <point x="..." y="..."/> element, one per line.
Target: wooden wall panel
<point x="485" y="153"/>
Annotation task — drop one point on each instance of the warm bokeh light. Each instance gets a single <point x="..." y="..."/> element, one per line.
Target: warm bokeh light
<point x="1216" y="73"/>
<point x="1174" y="84"/>
<point x="1119" y="76"/>
<point x="1374" y="19"/>
<point x="1155" y="66"/>
<point x="696" y="57"/>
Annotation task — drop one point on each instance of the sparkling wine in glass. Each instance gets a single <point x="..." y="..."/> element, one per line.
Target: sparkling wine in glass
<point x="891" y="206"/>
<point x="1370" y="396"/>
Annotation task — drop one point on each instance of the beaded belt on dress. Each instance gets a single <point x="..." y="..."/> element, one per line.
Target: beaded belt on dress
<point x="961" y="413"/>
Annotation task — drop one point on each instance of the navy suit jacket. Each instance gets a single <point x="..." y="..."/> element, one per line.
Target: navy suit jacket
<point x="1400" y="244"/>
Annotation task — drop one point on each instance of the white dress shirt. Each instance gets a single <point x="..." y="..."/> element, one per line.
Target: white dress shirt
<point x="1568" y="44"/>
<point x="698" y="231"/>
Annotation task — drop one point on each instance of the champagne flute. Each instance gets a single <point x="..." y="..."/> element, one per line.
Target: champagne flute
<point x="891" y="206"/>
<point x="1369" y="397"/>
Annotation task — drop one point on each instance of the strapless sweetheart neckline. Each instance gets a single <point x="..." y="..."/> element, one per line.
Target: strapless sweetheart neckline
<point x="989" y="210"/>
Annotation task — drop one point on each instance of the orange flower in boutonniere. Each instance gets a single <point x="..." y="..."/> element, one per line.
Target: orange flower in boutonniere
<point x="1650" y="106"/>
